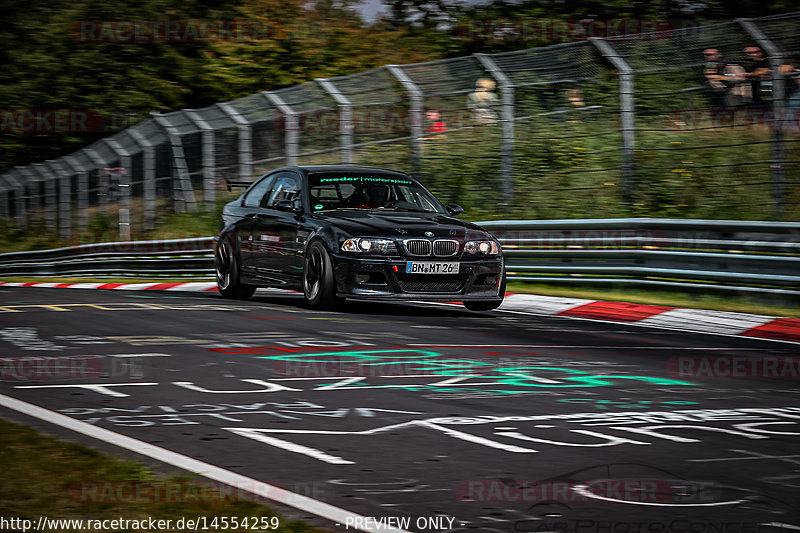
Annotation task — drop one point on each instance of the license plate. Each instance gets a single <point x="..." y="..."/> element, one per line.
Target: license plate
<point x="430" y="267"/>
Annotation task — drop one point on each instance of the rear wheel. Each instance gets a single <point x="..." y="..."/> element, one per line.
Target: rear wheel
<point x="319" y="288"/>
<point x="228" y="275"/>
<point x="493" y="304"/>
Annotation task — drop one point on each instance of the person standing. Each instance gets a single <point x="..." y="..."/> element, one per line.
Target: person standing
<point x="721" y="80"/>
<point x="759" y="74"/>
<point x="483" y="102"/>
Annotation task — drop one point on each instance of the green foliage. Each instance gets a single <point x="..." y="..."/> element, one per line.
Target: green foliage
<point x="56" y="68"/>
<point x="564" y="166"/>
<point x="43" y="476"/>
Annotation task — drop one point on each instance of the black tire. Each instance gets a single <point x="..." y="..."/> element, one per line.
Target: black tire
<point x="319" y="287"/>
<point x="492" y="304"/>
<point x="227" y="269"/>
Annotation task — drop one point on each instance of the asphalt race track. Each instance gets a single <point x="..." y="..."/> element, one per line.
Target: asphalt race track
<point x="458" y="421"/>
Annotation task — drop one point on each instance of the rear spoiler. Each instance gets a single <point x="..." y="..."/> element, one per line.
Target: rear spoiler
<point x="242" y="184"/>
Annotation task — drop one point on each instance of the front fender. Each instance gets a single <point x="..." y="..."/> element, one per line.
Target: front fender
<point x="331" y="237"/>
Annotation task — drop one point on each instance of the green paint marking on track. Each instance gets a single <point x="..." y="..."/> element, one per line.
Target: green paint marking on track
<point x="423" y="361"/>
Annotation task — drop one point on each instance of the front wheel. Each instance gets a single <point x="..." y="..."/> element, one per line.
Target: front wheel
<point x="319" y="288"/>
<point x="493" y="304"/>
<point x="227" y="269"/>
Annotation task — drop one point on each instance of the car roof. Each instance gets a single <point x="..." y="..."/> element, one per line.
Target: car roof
<point x="309" y="169"/>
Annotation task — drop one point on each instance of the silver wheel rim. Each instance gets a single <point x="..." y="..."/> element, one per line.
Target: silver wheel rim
<point x="224" y="264"/>
<point x="312" y="274"/>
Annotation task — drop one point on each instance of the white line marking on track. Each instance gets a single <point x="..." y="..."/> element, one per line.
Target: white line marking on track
<point x="290" y="446"/>
<point x="776" y="457"/>
<point x="585" y="491"/>
<point x="138" y="355"/>
<point x="714" y="348"/>
<point x="207" y="470"/>
<point x="781" y="525"/>
<point x="100" y="388"/>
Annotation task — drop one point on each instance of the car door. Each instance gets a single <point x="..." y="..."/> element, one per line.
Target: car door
<point x="252" y="206"/>
<point x="276" y="232"/>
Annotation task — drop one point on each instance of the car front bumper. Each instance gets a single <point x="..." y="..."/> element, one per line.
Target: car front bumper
<point x="386" y="279"/>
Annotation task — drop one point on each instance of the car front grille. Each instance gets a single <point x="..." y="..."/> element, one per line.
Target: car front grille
<point x="418" y="247"/>
<point x="431" y="282"/>
<point x="445" y="247"/>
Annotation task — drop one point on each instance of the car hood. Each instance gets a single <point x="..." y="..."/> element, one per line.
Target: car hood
<point x="376" y="223"/>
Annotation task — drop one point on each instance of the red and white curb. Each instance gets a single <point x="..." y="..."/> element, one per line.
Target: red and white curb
<point x="658" y="316"/>
<point x="694" y="320"/>
<point x="190" y="286"/>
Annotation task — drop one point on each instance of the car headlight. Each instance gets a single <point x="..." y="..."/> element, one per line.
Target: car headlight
<point x="364" y="245"/>
<point x="482" y="247"/>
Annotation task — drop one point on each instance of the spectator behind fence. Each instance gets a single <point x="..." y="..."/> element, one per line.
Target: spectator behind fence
<point x="791" y="85"/>
<point x="722" y="80"/>
<point x="483" y="102"/>
<point x="759" y="76"/>
<point x="575" y="100"/>
<point x="435" y="122"/>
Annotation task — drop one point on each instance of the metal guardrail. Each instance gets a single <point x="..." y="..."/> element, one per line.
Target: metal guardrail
<point x="165" y="258"/>
<point x="697" y="254"/>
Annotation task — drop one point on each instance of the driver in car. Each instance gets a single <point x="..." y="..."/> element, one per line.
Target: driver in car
<point x="369" y="197"/>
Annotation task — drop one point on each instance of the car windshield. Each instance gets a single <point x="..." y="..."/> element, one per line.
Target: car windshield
<point x="356" y="190"/>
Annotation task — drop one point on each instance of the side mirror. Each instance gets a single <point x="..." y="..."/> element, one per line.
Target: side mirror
<point x="454" y="209"/>
<point x="289" y="206"/>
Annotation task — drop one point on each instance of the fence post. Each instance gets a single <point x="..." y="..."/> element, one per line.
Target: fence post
<point x="183" y="194"/>
<point x="507" y="151"/>
<point x="64" y="205"/>
<point x="103" y="181"/>
<point x="50" y="197"/>
<point x="778" y="93"/>
<point x="124" y="186"/>
<point x="345" y="118"/>
<point x="20" y="201"/>
<point x="149" y="175"/>
<point x="82" y="191"/>
<point x="292" y="126"/>
<point x="627" y="113"/>
<point x="31" y="181"/>
<point x="5" y="203"/>
<point x="209" y="158"/>
<point x="416" y="100"/>
<point x="8" y="189"/>
<point x="245" y="140"/>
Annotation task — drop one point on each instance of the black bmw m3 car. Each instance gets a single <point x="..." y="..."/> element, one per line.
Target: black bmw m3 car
<point x="336" y="232"/>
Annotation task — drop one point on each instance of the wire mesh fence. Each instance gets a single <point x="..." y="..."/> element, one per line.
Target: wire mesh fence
<point x="699" y="122"/>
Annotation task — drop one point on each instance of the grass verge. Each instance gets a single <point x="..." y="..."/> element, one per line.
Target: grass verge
<point x="44" y="476"/>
